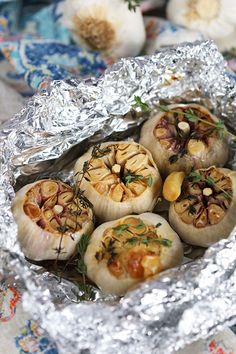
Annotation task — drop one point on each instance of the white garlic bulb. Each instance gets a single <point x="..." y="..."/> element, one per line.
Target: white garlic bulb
<point x="127" y="251"/>
<point x="49" y="217"/>
<point x="105" y="25"/>
<point x="121" y="179"/>
<point x="205" y="211"/>
<point x="177" y="143"/>
<point x="214" y="18"/>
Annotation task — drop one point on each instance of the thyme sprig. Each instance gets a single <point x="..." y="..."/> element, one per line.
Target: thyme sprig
<point x="130" y="177"/>
<point x="191" y="116"/>
<point x="196" y="177"/>
<point x="139" y="104"/>
<point x="133" y="4"/>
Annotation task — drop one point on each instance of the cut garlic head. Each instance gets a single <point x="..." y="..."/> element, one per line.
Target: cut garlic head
<point x="50" y="219"/>
<point x="214" y="18"/>
<point x="184" y="137"/>
<point x="105" y="25"/>
<point x="130" y="250"/>
<point x="121" y="178"/>
<point x="205" y="211"/>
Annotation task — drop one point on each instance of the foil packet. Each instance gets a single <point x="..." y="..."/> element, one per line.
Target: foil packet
<point x="56" y="126"/>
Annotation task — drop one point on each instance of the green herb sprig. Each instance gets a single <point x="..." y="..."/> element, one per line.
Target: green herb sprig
<point x="138" y="103"/>
<point x="195" y="177"/>
<point x="133" y="4"/>
<point x="191" y="116"/>
<point x="130" y="177"/>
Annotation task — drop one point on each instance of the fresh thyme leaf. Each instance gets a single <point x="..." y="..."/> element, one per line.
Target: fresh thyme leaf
<point x="131" y="177"/>
<point x="81" y="249"/>
<point x="194" y="177"/>
<point x="138" y="103"/>
<point x="220" y="129"/>
<point x="158" y="224"/>
<point x="149" y="180"/>
<point x="97" y="152"/>
<point x="133" y="4"/>
<point x="164" y="242"/>
<point x="140" y="225"/>
<point x="191" y="209"/>
<point x="132" y="240"/>
<point x="191" y="115"/>
<point x="83" y="244"/>
<point x="81" y="267"/>
<point x="173" y="159"/>
<point x="210" y="181"/>
<point x="163" y="108"/>
<point x="228" y="195"/>
<point x="119" y="229"/>
<point x="87" y="290"/>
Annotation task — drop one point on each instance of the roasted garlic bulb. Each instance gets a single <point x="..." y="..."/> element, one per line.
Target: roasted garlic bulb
<point x="119" y="178"/>
<point x="183" y="137"/>
<point x="51" y="220"/>
<point x="130" y="250"/>
<point x="205" y="210"/>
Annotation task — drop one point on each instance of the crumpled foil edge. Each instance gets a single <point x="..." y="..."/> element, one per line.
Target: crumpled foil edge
<point x="182" y="305"/>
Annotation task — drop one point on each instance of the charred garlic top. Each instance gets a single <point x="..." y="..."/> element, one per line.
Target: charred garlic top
<point x="129" y="250"/>
<point x="183" y="137"/>
<point x="45" y="211"/>
<point x="204" y="210"/>
<point x="120" y="178"/>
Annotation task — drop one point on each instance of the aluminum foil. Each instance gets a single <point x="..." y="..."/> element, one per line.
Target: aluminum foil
<point x="56" y="126"/>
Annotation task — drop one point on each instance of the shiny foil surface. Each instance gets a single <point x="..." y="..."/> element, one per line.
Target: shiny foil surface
<point x="58" y="125"/>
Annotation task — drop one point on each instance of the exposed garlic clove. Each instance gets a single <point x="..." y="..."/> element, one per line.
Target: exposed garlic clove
<point x="104" y="25"/>
<point x="196" y="147"/>
<point x="204" y="218"/>
<point x="132" y="183"/>
<point x="172" y="186"/>
<point x="215" y="214"/>
<point x="48" y="189"/>
<point x="159" y="135"/>
<point x="131" y="262"/>
<point x="40" y="223"/>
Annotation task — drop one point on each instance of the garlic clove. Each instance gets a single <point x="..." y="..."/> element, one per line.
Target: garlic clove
<point x="178" y="144"/>
<point x="172" y="186"/>
<point x="116" y="259"/>
<point x="105" y="26"/>
<point x="132" y="182"/>
<point x="40" y="224"/>
<point x="207" y="216"/>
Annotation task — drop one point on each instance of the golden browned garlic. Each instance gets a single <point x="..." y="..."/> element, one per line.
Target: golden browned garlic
<point x="179" y="140"/>
<point x="120" y="179"/>
<point x="205" y="210"/>
<point x="130" y="250"/>
<point x="50" y="219"/>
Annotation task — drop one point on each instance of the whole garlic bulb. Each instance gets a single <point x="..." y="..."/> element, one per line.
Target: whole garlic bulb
<point x="205" y="211"/>
<point x="105" y="25"/>
<point x="214" y="18"/>
<point x="127" y="251"/>
<point x="121" y="179"/>
<point x="44" y="211"/>
<point x="178" y="144"/>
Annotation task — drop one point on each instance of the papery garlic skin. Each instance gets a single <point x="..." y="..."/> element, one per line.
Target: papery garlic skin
<point x="37" y="216"/>
<point x="104" y="25"/>
<point x="183" y="221"/>
<point x="198" y="153"/>
<point x="104" y="186"/>
<point x="214" y="18"/>
<point x="132" y="263"/>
